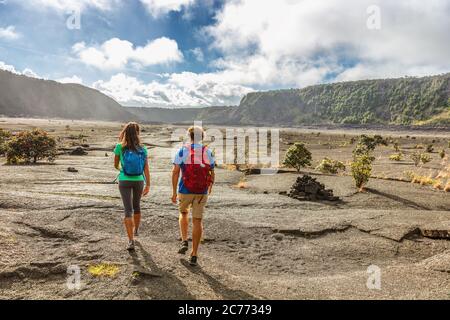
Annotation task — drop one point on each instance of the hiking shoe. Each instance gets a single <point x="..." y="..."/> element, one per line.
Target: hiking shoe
<point x="193" y="261"/>
<point x="184" y="247"/>
<point x="131" y="245"/>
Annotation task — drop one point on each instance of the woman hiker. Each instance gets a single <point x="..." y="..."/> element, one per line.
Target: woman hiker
<point x="134" y="178"/>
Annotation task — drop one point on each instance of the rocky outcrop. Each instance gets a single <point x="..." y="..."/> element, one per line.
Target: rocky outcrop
<point x="308" y="188"/>
<point x="79" y="151"/>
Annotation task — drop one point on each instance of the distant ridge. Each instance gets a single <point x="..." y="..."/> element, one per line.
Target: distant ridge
<point x="403" y="101"/>
<point x="30" y="97"/>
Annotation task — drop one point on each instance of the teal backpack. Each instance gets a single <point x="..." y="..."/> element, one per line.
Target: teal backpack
<point x="134" y="162"/>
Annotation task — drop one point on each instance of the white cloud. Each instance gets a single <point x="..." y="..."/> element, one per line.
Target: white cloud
<point x="198" y="54"/>
<point x="302" y="42"/>
<point x="68" y="5"/>
<point x="73" y="79"/>
<point x="7" y="67"/>
<point x="156" y="8"/>
<point x="116" y="53"/>
<point x="9" y="33"/>
<point x="26" y="72"/>
<point x="30" y="73"/>
<point x="161" y="7"/>
<point x="178" y="90"/>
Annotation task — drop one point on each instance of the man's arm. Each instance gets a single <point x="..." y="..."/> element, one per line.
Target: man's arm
<point x="213" y="179"/>
<point x="175" y="178"/>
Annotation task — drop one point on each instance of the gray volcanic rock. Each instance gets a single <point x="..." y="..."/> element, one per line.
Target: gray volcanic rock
<point x="79" y="151"/>
<point x="308" y="188"/>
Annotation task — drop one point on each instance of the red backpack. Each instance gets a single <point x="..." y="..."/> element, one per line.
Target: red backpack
<point x="197" y="172"/>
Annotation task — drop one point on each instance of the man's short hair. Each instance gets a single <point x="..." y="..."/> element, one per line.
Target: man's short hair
<point x="196" y="133"/>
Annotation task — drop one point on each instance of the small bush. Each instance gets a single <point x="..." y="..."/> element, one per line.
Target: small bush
<point x="425" y="158"/>
<point x="418" y="157"/>
<point x="297" y="156"/>
<point x="396" y="147"/>
<point x="396" y="157"/>
<point x="328" y="165"/>
<point x="104" y="270"/>
<point x="30" y="147"/>
<point x="368" y="144"/>
<point x="442" y="154"/>
<point x="361" y="169"/>
<point x="4" y="137"/>
<point x="430" y="148"/>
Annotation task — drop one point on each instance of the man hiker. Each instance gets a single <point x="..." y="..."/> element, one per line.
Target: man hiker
<point x="196" y="164"/>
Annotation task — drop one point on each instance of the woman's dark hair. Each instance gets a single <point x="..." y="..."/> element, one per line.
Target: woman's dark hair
<point x="129" y="136"/>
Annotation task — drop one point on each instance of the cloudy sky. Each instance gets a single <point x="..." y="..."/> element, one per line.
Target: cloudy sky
<point x="180" y="53"/>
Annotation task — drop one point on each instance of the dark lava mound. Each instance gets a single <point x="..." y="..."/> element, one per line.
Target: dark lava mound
<point x="308" y="188"/>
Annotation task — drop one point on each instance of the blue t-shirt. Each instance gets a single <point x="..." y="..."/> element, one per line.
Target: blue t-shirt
<point x="180" y="159"/>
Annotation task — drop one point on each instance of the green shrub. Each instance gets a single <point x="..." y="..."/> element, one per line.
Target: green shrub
<point x="30" y="147"/>
<point x="367" y="144"/>
<point x="328" y="165"/>
<point x="4" y="137"/>
<point x="361" y="169"/>
<point x="418" y="157"/>
<point x="430" y="148"/>
<point x="425" y="158"/>
<point x="396" y="157"/>
<point x="442" y="154"/>
<point x="396" y="147"/>
<point x="297" y="156"/>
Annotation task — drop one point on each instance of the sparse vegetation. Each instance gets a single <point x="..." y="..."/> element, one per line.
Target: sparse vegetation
<point x="328" y="165"/>
<point x="367" y="144"/>
<point x="396" y="147"/>
<point x="297" y="156"/>
<point x="4" y="137"/>
<point x="430" y="148"/>
<point x="104" y="270"/>
<point x="442" y="154"/>
<point x="396" y="157"/>
<point x="361" y="169"/>
<point x="418" y="157"/>
<point x="30" y="147"/>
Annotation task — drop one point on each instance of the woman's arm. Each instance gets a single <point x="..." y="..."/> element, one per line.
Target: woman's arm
<point x="147" y="179"/>
<point x="117" y="162"/>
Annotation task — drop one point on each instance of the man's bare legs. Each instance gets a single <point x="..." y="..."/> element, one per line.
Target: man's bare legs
<point x="184" y="225"/>
<point x="197" y="231"/>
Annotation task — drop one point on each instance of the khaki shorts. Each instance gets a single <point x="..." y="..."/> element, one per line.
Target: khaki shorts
<point x="195" y="201"/>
